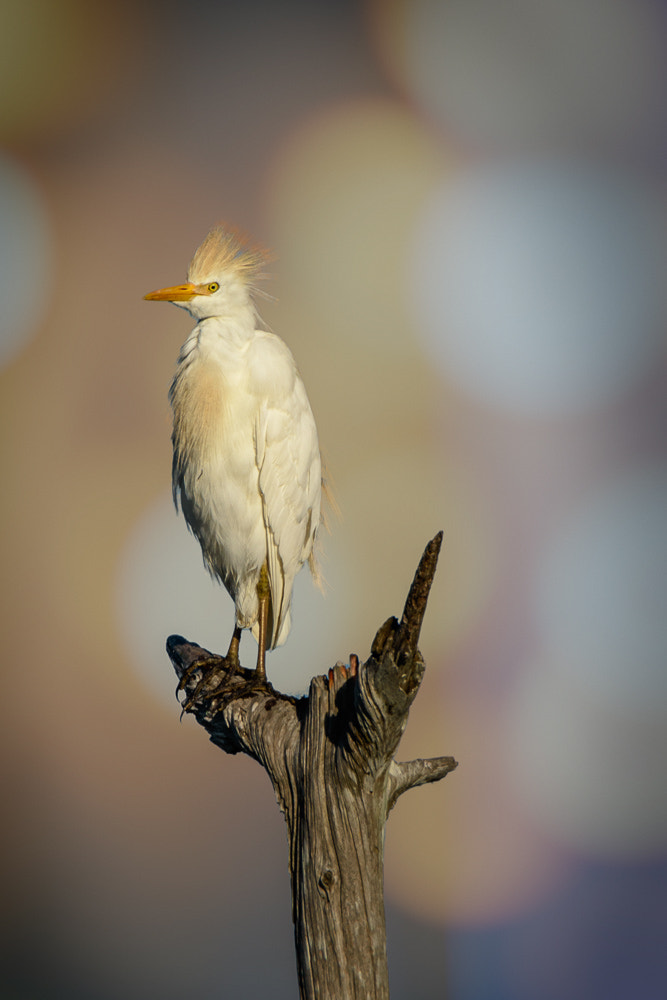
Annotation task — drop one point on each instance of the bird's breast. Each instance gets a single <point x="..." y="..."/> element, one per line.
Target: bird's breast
<point x="214" y="470"/>
<point x="214" y="446"/>
<point x="199" y="402"/>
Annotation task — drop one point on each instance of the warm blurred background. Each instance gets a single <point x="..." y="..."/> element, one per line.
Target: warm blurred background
<point x="466" y="200"/>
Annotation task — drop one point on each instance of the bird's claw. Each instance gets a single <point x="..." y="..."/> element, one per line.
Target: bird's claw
<point x="201" y="665"/>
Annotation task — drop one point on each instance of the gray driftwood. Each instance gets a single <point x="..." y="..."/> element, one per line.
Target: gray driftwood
<point x="330" y="758"/>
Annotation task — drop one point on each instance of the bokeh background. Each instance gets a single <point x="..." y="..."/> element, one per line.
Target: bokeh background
<point x="466" y="201"/>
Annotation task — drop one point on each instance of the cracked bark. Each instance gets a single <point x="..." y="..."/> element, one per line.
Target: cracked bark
<point x="330" y="758"/>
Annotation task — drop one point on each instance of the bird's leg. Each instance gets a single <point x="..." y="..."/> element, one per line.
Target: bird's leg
<point x="233" y="651"/>
<point x="264" y="595"/>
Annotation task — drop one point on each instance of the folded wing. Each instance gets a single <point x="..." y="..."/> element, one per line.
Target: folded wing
<point x="288" y="459"/>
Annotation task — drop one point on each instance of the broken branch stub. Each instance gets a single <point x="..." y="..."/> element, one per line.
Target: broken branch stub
<point x="330" y="758"/>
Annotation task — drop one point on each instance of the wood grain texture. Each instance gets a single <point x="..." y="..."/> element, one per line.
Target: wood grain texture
<point x="330" y="758"/>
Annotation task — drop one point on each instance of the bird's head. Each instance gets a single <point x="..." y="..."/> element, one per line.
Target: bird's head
<point x="221" y="277"/>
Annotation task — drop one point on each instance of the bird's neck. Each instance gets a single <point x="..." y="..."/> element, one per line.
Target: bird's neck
<point x="217" y="338"/>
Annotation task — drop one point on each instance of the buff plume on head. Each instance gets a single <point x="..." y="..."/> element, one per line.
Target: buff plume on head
<point x="227" y="251"/>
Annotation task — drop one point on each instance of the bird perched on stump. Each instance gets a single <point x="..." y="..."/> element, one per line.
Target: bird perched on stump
<point x="246" y="466"/>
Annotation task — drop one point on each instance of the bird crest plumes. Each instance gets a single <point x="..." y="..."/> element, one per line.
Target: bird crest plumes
<point x="227" y="251"/>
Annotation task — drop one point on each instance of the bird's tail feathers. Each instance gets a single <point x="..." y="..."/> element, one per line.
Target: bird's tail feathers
<point x="329" y="507"/>
<point x="280" y="594"/>
<point x="316" y="571"/>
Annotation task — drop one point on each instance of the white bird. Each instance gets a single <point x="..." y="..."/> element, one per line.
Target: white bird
<point x="246" y="465"/>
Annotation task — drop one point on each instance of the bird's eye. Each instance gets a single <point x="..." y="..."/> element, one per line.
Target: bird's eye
<point x="213" y="286"/>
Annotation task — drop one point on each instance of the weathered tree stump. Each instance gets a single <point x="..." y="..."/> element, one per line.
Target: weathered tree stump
<point x="330" y="759"/>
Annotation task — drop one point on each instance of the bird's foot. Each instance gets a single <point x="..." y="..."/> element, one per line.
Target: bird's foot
<point x="217" y="672"/>
<point x="199" y="664"/>
<point x="210" y="668"/>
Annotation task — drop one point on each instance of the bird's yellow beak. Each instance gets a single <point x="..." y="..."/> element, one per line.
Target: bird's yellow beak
<point x="177" y="293"/>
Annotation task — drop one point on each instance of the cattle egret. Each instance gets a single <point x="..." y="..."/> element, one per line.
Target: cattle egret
<point x="246" y="465"/>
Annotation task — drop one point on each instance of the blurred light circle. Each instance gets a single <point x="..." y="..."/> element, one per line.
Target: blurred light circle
<point x="538" y="285"/>
<point x="56" y="59"/>
<point x="26" y="259"/>
<point x="344" y="191"/>
<point x="587" y="727"/>
<point x="393" y="506"/>
<point x="516" y="74"/>
<point x="163" y="588"/>
<point x="465" y="851"/>
<point x="591" y="772"/>
<point x="601" y="596"/>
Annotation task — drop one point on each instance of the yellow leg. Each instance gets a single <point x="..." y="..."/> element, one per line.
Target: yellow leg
<point x="233" y="651"/>
<point x="264" y="595"/>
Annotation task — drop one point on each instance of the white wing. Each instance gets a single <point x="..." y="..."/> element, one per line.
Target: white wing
<point x="288" y="459"/>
